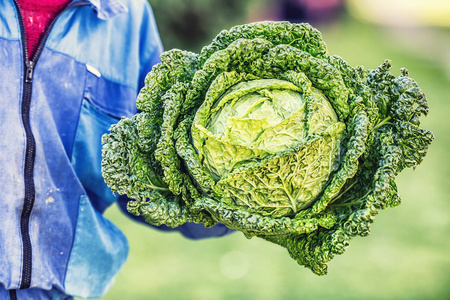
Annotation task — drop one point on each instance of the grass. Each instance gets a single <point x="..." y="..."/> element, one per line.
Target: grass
<point x="405" y="256"/>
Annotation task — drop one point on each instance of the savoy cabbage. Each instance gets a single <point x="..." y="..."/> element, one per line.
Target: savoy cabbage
<point x="268" y="134"/>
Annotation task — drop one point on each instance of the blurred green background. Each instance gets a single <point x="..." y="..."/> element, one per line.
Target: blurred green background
<point x="407" y="254"/>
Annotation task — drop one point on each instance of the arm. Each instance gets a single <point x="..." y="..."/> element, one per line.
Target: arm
<point x="151" y="48"/>
<point x="189" y="230"/>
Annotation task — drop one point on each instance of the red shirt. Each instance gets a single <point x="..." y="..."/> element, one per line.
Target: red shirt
<point x="37" y="16"/>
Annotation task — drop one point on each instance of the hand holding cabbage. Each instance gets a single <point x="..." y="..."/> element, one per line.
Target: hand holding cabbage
<point x="267" y="133"/>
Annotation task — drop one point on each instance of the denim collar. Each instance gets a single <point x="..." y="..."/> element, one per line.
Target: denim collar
<point x="105" y="9"/>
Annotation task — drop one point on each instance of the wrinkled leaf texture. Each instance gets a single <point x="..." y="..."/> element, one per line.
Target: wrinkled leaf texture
<point x="151" y="157"/>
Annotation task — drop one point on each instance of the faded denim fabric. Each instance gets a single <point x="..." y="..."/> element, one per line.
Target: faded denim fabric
<point x="87" y="77"/>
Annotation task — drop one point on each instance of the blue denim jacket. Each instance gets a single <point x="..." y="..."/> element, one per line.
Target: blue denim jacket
<point x="53" y="113"/>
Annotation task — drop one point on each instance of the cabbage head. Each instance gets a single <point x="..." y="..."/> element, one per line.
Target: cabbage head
<point x="268" y="134"/>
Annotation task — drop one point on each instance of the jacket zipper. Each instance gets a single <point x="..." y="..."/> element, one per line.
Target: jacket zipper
<point x="30" y="150"/>
<point x="12" y="294"/>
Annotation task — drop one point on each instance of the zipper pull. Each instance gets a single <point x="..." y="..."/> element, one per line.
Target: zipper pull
<point x="29" y="71"/>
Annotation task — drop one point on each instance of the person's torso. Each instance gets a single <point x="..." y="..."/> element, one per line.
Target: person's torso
<point x="53" y="114"/>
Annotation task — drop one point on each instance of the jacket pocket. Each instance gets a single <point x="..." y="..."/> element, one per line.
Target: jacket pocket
<point x="99" y="251"/>
<point x="113" y="99"/>
<point x="87" y="154"/>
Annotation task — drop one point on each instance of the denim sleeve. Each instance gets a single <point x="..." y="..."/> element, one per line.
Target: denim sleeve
<point x="190" y="230"/>
<point x="151" y="45"/>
